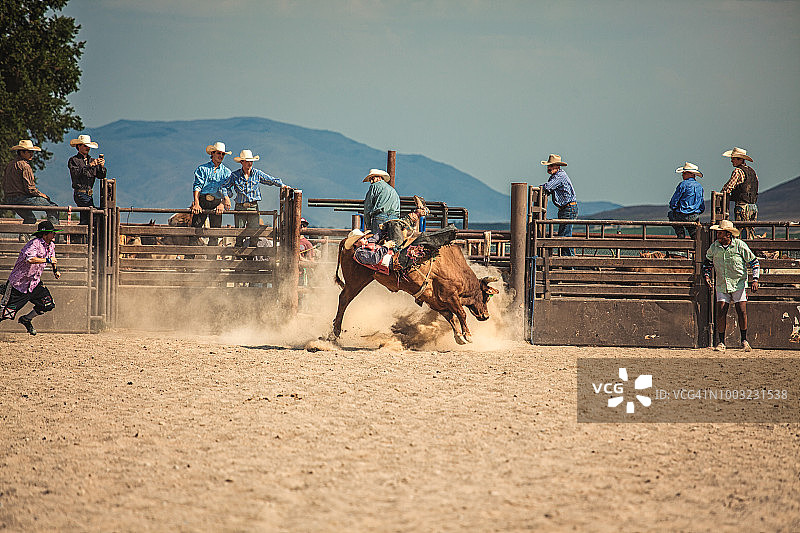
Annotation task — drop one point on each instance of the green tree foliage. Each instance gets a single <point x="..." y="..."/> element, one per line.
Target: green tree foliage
<point x="38" y="70"/>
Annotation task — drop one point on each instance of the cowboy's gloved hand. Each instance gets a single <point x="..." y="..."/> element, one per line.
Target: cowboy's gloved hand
<point x="389" y="244"/>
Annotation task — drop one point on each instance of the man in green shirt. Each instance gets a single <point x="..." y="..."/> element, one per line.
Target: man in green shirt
<point x="730" y="257"/>
<point x="381" y="203"/>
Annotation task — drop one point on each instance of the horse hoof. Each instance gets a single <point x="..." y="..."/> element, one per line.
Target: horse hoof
<point x="461" y="340"/>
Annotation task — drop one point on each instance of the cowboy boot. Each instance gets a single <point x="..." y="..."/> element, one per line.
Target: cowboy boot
<point x="422" y="210"/>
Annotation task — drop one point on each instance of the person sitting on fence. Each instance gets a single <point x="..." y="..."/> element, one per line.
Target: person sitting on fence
<point x="560" y="186"/>
<point x="729" y="257"/>
<point x="210" y="189"/>
<point x="687" y="203"/>
<point x="381" y="203"/>
<point x="19" y="184"/>
<point x="83" y="171"/>
<point x="742" y="189"/>
<point x="245" y="184"/>
<point x="25" y="281"/>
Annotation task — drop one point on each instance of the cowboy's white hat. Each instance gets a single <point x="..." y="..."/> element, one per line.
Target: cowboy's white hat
<point x="737" y="152"/>
<point x="216" y="147"/>
<point x="83" y="139"/>
<point x="377" y="172"/>
<point x="352" y="237"/>
<point x="246" y="155"/>
<point x="689" y="167"/>
<point x="26" y="144"/>
<point x="726" y="225"/>
<point x="554" y="159"/>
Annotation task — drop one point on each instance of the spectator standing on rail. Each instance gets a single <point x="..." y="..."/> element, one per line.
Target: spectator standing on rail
<point x="19" y="184"/>
<point x="245" y="182"/>
<point x="25" y="281"/>
<point x="381" y="203"/>
<point x="687" y="203"/>
<point x="730" y="257"/>
<point x="83" y="171"/>
<point x="210" y="192"/>
<point x="560" y="186"/>
<point x="742" y="189"/>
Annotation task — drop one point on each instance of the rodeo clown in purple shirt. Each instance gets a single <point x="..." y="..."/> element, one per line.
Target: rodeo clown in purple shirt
<point x="25" y="281"/>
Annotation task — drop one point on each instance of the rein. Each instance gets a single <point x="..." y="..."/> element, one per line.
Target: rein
<point x="426" y="282"/>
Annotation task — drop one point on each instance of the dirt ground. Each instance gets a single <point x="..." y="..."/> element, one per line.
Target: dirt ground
<point x="130" y="431"/>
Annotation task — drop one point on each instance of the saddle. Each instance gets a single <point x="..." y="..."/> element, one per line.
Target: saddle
<point x="420" y="248"/>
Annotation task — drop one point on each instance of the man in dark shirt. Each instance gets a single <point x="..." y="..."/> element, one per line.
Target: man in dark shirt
<point x="742" y="189"/>
<point x="84" y="170"/>
<point x="19" y="184"/>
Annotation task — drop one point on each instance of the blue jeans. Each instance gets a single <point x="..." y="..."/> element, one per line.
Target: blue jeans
<point x="565" y="230"/>
<point x="680" y="231"/>
<point x="377" y="220"/>
<point x="27" y="215"/>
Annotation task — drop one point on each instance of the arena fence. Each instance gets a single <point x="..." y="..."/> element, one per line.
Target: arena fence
<point x="633" y="283"/>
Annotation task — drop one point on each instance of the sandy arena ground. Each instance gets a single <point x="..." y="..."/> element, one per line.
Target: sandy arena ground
<point x="130" y="431"/>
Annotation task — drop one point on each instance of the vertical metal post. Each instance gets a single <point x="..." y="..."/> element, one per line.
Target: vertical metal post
<point x="519" y="214"/>
<point x="391" y="162"/>
<point x="355" y="222"/>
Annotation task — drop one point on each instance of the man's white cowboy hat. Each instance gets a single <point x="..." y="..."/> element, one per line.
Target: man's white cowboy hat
<point x="377" y="172"/>
<point x="737" y="152"/>
<point x="352" y="237"/>
<point x="554" y="159"/>
<point x="245" y="155"/>
<point x="83" y="139"/>
<point x="689" y="167"/>
<point x="26" y="144"/>
<point x="726" y="225"/>
<point x="216" y="147"/>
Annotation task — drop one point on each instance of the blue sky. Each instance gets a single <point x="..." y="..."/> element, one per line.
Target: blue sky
<point x="625" y="91"/>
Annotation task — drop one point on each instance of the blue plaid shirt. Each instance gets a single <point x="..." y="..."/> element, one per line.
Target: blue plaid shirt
<point x="560" y="187"/>
<point x="246" y="187"/>
<point x="210" y="180"/>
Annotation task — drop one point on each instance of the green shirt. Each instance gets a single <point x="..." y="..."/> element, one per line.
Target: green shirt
<point x="730" y="264"/>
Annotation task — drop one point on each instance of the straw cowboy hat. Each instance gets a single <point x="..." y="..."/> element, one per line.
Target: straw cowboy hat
<point x="26" y="144"/>
<point x="737" y="152"/>
<point x="45" y="226"/>
<point x="83" y="139"/>
<point x="726" y="225"/>
<point x="689" y="167"/>
<point x="352" y="237"/>
<point x="377" y="172"/>
<point x="216" y="147"/>
<point x="244" y="155"/>
<point x="554" y="159"/>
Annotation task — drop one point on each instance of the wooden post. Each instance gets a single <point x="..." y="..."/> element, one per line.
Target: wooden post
<point x="391" y="160"/>
<point x="519" y="215"/>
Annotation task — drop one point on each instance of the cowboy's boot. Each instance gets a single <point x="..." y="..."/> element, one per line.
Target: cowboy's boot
<point x="422" y="210"/>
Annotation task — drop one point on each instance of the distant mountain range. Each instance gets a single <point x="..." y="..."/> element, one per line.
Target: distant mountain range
<point x="154" y="164"/>
<point x="781" y="202"/>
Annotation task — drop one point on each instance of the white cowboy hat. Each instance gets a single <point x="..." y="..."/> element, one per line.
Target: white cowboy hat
<point x="689" y="167"/>
<point x="377" y="172"/>
<point x="352" y="237"/>
<point x="554" y="159"/>
<point x="83" y="139"/>
<point x="26" y="144"/>
<point x="245" y="155"/>
<point x="737" y="152"/>
<point x="726" y="225"/>
<point x="216" y="147"/>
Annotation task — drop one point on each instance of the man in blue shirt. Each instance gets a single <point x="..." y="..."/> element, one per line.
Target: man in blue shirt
<point x="687" y="202"/>
<point x="381" y="203"/>
<point x="560" y="186"/>
<point x="245" y="184"/>
<point x="210" y="192"/>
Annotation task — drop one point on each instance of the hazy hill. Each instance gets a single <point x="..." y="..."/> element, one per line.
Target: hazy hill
<point x="781" y="202"/>
<point x="154" y="164"/>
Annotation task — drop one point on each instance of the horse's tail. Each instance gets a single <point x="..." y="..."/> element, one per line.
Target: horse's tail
<point x="336" y="278"/>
